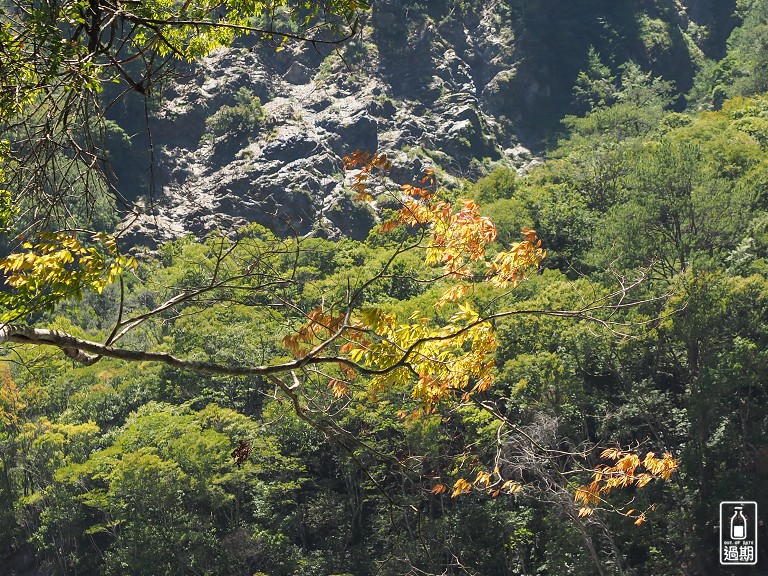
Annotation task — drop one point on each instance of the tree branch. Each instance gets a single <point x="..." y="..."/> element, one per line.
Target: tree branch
<point x="88" y="352"/>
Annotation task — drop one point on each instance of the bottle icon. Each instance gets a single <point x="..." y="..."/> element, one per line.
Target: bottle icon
<point x="738" y="525"/>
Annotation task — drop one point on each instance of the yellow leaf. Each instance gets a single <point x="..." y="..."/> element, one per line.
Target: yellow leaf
<point x="610" y="453"/>
<point x="483" y="478"/>
<point x="643" y="479"/>
<point x="452" y="294"/>
<point x="512" y="487"/>
<point x="461" y="487"/>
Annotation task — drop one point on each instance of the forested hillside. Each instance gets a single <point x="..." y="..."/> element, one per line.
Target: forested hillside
<point x="229" y="351"/>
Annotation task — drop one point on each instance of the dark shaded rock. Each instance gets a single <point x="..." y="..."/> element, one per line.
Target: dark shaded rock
<point x="498" y="95"/>
<point x="355" y="218"/>
<point x="360" y="132"/>
<point x="290" y="148"/>
<point x="298" y="74"/>
<point x="382" y="109"/>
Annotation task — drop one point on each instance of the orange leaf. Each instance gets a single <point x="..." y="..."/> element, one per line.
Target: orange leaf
<point x="439" y="489"/>
<point x="339" y="387"/>
<point x="388" y="226"/>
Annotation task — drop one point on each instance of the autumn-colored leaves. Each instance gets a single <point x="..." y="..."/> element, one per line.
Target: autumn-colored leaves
<point x="455" y="237"/>
<point x="494" y="484"/>
<point x="628" y="471"/>
<point x="623" y="474"/>
<point x="437" y="361"/>
<point x="509" y="266"/>
<point x="458" y="356"/>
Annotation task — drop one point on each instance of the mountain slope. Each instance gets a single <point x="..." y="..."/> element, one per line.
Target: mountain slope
<point x="459" y="86"/>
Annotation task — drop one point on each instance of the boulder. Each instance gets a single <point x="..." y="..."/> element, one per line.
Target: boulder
<point x="298" y="74"/>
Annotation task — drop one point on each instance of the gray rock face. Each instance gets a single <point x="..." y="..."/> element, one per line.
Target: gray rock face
<point x="415" y="90"/>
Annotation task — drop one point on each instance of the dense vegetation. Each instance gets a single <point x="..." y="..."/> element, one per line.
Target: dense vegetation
<point x="137" y="468"/>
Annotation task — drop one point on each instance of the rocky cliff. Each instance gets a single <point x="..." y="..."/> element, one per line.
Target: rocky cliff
<point x="443" y="84"/>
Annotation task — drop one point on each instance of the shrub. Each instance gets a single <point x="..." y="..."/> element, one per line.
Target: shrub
<point x="245" y="117"/>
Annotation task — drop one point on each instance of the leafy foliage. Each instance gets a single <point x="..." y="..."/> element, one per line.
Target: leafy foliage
<point x="58" y="267"/>
<point x="623" y="474"/>
<point x="244" y="117"/>
<point x="336" y="414"/>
